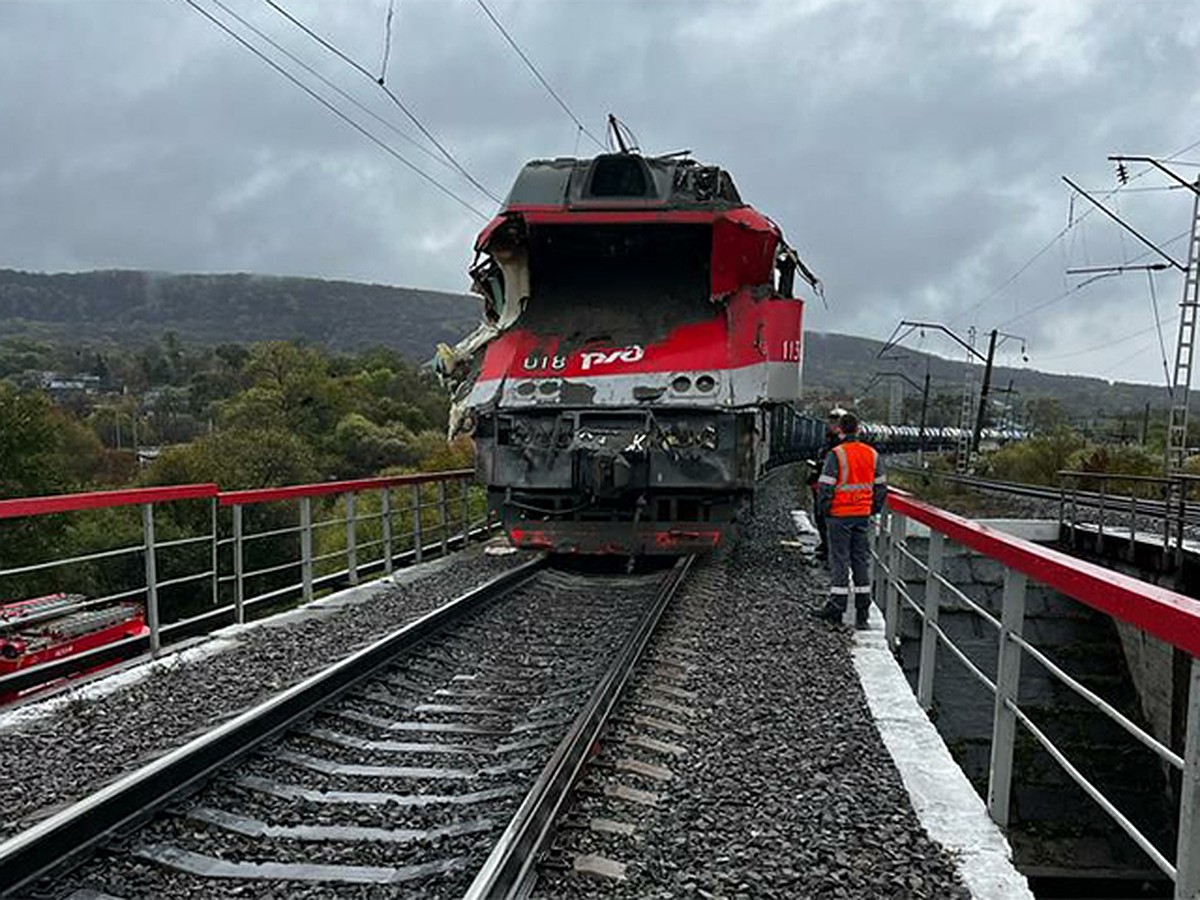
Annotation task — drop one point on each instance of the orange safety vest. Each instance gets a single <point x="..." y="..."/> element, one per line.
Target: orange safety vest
<point x="855" y="488"/>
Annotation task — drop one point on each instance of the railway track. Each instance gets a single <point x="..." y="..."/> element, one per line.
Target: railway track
<point x="1114" y="503"/>
<point x="431" y="763"/>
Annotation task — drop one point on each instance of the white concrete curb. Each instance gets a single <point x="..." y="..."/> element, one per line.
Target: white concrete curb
<point x="946" y="803"/>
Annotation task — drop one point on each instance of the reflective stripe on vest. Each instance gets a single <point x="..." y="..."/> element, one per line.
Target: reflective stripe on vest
<point x="856" y="480"/>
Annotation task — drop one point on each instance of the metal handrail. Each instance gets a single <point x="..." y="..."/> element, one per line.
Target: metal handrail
<point x="385" y="548"/>
<point x="1149" y="741"/>
<point x="86" y="557"/>
<point x="1097" y="795"/>
<point x="1168" y="616"/>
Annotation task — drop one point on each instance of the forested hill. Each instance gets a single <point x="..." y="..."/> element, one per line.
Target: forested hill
<point x="842" y="365"/>
<point x="131" y="308"/>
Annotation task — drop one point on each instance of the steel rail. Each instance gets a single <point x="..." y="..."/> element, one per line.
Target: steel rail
<point x="68" y="836"/>
<point x="1086" y="499"/>
<point x="510" y="869"/>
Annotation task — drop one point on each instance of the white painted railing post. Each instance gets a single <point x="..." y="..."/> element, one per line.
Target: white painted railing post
<point x="465" y="485"/>
<point x="444" y="508"/>
<point x="891" y="622"/>
<point x="418" y="538"/>
<point x="306" y="548"/>
<point x="385" y="508"/>
<point x="929" y="638"/>
<point x="351" y="539"/>
<point x="214" y="558"/>
<point x="879" y="540"/>
<point x="239" y="567"/>
<point x="152" y="619"/>
<point x="1187" y="856"/>
<point x="1008" y="677"/>
<point x="1133" y="513"/>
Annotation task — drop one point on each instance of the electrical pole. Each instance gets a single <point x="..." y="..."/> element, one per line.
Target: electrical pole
<point x="1177" y="422"/>
<point x="1184" y="344"/>
<point x="924" y="389"/>
<point x="966" y="444"/>
<point x="896" y="403"/>
<point x="984" y="390"/>
<point x="924" y="410"/>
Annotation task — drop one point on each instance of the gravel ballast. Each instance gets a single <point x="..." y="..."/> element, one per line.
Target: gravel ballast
<point x="57" y="758"/>
<point x="783" y="787"/>
<point x="495" y="692"/>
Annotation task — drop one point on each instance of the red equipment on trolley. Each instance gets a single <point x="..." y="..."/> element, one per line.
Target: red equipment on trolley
<point x="57" y="626"/>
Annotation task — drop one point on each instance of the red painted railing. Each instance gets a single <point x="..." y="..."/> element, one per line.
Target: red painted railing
<point x="296" y="491"/>
<point x="432" y="521"/>
<point x="60" y="503"/>
<point x="1161" y="613"/>
<point x="1170" y="617"/>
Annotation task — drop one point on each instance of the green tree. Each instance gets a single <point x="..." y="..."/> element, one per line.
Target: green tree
<point x="238" y="458"/>
<point x="363" y="447"/>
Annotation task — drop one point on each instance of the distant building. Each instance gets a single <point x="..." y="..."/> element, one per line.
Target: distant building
<point x="61" y="386"/>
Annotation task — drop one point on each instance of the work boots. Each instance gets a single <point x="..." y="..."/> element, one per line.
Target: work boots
<point x="831" y="612"/>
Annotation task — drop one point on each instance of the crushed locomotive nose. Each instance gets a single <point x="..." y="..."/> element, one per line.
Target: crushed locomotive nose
<point x="640" y="346"/>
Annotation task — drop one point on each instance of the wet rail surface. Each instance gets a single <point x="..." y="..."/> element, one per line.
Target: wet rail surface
<point x="415" y="776"/>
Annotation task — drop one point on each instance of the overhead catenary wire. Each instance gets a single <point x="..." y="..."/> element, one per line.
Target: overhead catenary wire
<point x="387" y="42"/>
<point x="1124" y="359"/>
<point x="1162" y="344"/>
<point x="1072" y="221"/>
<point x="392" y="95"/>
<point x="350" y="98"/>
<point x="538" y="75"/>
<point x="387" y="148"/>
<point x="1074" y="288"/>
<point x="1107" y="344"/>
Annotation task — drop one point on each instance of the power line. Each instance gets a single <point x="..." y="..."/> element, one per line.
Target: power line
<point x="328" y="83"/>
<point x="1062" y="233"/>
<point x="1071" y="290"/>
<point x="387" y="148"/>
<point x="387" y="41"/>
<point x="532" y="68"/>
<point x="1124" y="359"/>
<point x="412" y="117"/>
<point x="1107" y="344"/>
<point x="1162" y="345"/>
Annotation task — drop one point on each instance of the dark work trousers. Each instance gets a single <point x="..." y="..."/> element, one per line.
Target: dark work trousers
<point x="849" y="556"/>
<point x="819" y="522"/>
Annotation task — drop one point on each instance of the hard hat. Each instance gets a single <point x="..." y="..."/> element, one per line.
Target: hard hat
<point x="836" y="413"/>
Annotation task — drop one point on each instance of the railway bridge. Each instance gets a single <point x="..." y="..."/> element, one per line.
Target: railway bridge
<point x="357" y="689"/>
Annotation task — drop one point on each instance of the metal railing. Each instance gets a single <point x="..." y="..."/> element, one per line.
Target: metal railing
<point x="1117" y="498"/>
<point x="431" y="522"/>
<point x="214" y="568"/>
<point x="1163" y="614"/>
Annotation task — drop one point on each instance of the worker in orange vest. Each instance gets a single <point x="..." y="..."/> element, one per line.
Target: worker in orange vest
<point x="833" y="437"/>
<point x="851" y="488"/>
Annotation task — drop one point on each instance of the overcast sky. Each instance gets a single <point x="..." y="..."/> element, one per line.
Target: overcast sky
<point x="912" y="151"/>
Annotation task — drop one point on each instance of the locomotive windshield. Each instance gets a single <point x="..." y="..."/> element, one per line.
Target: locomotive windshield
<point x="617" y="283"/>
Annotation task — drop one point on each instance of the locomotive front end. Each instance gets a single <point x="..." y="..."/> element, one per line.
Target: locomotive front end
<point x="639" y="326"/>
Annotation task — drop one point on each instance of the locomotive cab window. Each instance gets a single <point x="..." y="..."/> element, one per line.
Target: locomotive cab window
<point x="625" y="283"/>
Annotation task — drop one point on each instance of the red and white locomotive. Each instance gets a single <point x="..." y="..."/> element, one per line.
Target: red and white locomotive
<point x="640" y="330"/>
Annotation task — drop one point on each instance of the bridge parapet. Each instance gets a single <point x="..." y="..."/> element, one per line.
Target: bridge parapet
<point x="1018" y="574"/>
<point x="206" y="544"/>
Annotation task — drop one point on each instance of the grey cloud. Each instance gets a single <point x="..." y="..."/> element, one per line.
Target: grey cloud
<point x="910" y="149"/>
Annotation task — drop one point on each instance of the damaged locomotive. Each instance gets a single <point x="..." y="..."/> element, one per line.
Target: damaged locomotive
<point x="641" y="336"/>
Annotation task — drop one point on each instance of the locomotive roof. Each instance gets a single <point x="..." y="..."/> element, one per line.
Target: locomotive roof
<point x="622" y="180"/>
